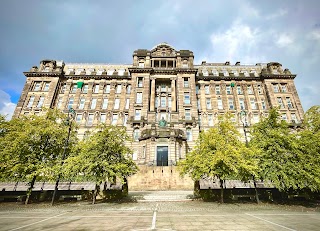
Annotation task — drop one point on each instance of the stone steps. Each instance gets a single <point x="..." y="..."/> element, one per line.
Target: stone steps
<point x="147" y="196"/>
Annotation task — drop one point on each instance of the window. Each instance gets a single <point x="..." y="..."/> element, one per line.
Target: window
<point x="259" y="89"/>
<point x="125" y="119"/>
<point x="186" y="98"/>
<point x="230" y="102"/>
<point x="103" y="118"/>
<point x="116" y="103"/>
<point x="253" y="104"/>
<point x="144" y="151"/>
<point x="198" y="104"/>
<point x="96" y="89"/>
<point x="289" y="103"/>
<point x="207" y="89"/>
<point x="210" y="119"/>
<point x="137" y="114"/>
<point x="136" y="134"/>
<point x="141" y="64"/>
<point x="118" y="90"/>
<point x="263" y="104"/>
<point x="208" y="103"/>
<point x="239" y="90"/>
<point x="235" y="72"/>
<point x="59" y="103"/>
<point x="79" y="70"/>
<point x="225" y="72"/>
<point x="110" y="72"/>
<point x="74" y="88"/>
<point x="163" y="88"/>
<point x="169" y="101"/>
<point x="197" y="89"/>
<point x="85" y="88"/>
<point x="107" y="89"/>
<point x="249" y="89"/>
<point x="294" y="118"/>
<point x="163" y="115"/>
<point x="189" y="134"/>
<point x="162" y="101"/>
<point x="70" y="103"/>
<point x="46" y="86"/>
<point x="114" y="119"/>
<point x="256" y="118"/>
<point x="89" y="71"/>
<point x="284" y="116"/>
<point x="37" y="86"/>
<point x="127" y="104"/>
<point x="220" y="105"/>
<point x="81" y="103"/>
<point x="93" y="104"/>
<point x="187" y="114"/>
<point x="275" y="88"/>
<point x="105" y="103"/>
<point x="283" y="87"/>
<point x="245" y="73"/>
<point x="63" y="88"/>
<point x="241" y="104"/>
<point x="121" y="72"/>
<point x="215" y="72"/>
<point x="40" y="103"/>
<point x="79" y="118"/>
<point x="185" y="63"/>
<point x="205" y="72"/>
<point x="185" y="82"/>
<point x="218" y="90"/>
<point x="128" y="89"/>
<point x="140" y="82"/>
<point x="157" y="102"/>
<point x="228" y="89"/>
<point x="100" y="71"/>
<point x="139" y="98"/>
<point x="90" y="119"/>
<point x="280" y="102"/>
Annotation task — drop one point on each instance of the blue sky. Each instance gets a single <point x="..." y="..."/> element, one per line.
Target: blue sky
<point x="285" y="31"/>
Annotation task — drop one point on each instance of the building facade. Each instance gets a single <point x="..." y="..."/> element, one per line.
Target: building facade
<point x="162" y="98"/>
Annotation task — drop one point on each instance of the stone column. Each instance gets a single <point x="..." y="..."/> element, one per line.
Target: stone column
<point x="173" y="95"/>
<point x="152" y="95"/>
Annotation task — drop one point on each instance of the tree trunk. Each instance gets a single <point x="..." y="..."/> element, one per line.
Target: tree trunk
<point x="55" y="190"/>
<point x="221" y="191"/>
<point x="255" y="189"/>
<point x="30" y="189"/>
<point x="94" y="195"/>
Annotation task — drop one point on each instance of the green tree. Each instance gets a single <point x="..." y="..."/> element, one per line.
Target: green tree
<point x="220" y="153"/>
<point x="280" y="155"/>
<point x="31" y="148"/>
<point x="101" y="157"/>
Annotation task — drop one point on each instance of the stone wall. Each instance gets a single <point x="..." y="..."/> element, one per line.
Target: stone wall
<point x="159" y="178"/>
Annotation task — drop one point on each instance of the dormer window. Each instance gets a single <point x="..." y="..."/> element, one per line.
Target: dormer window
<point x="185" y="63"/>
<point x="121" y="72"/>
<point x="79" y="70"/>
<point x="99" y="72"/>
<point x="89" y="71"/>
<point x="225" y="72"/>
<point x="69" y="70"/>
<point x="235" y="72"/>
<point x="215" y="72"/>
<point x="141" y="63"/>
<point x="110" y="72"/>
<point x="246" y="74"/>
<point x="255" y="72"/>
<point x="205" y="72"/>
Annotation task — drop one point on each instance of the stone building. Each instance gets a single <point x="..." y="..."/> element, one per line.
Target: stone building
<point x="162" y="98"/>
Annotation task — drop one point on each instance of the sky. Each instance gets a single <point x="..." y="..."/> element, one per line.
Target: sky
<point x="102" y="31"/>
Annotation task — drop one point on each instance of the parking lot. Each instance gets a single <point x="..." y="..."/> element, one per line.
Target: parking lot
<point x="187" y="215"/>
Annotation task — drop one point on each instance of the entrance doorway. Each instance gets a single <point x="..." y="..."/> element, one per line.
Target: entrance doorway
<point x="162" y="156"/>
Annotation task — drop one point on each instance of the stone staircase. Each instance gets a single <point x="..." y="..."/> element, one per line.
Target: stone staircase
<point x="154" y="196"/>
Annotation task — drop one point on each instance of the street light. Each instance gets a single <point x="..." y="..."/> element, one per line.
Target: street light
<point x="68" y="122"/>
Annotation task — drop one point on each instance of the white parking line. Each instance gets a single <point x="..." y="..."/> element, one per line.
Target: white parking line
<point x="154" y="218"/>
<point x="270" y="222"/>
<point x="21" y="227"/>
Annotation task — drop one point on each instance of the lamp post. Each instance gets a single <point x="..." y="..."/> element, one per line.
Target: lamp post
<point x="243" y="118"/>
<point x="68" y="122"/>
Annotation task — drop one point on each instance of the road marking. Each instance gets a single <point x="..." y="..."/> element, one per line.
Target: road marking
<point x="154" y="218"/>
<point x="11" y="217"/>
<point x="21" y="227"/>
<point x="270" y="222"/>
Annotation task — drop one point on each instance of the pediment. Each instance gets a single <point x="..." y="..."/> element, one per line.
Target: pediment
<point x="163" y="49"/>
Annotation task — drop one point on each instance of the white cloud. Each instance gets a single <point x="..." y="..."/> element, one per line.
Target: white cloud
<point x="277" y="14"/>
<point x="6" y="106"/>
<point x="284" y="40"/>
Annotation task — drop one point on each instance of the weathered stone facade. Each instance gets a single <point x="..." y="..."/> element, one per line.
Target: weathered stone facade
<point x="162" y="98"/>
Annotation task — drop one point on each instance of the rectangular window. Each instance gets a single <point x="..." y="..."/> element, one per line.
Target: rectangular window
<point x="116" y="103"/>
<point x="294" y="118"/>
<point x="114" y="119"/>
<point x="284" y="116"/>
<point x="90" y="119"/>
<point x="63" y="88"/>
<point x="140" y="81"/>
<point x="59" y="104"/>
<point x="289" y="103"/>
<point x="256" y="118"/>
<point x="93" y="104"/>
<point x="189" y="134"/>
<point x="230" y="102"/>
<point x="207" y="89"/>
<point x="137" y="115"/>
<point x="280" y="102"/>
<point x="139" y="98"/>
<point x="283" y="87"/>
<point x="263" y="104"/>
<point x="96" y="89"/>
<point x="276" y="88"/>
<point x="228" y="89"/>
<point x="218" y="90"/>
<point x="253" y="104"/>
<point x="187" y="114"/>
<point x="125" y="119"/>
<point x="103" y="118"/>
<point x="163" y="101"/>
<point x="163" y="115"/>
<point x="169" y="102"/>
<point x="197" y="89"/>
<point x="119" y="87"/>
<point x="128" y="89"/>
<point x="241" y="104"/>
<point x="85" y="88"/>
<point x="127" y="103"/>
<point x="185" y="82"/>
<point x="186" y="98"/>
<point x="105" y="103"/>
<point x="157" y="102"/>
<point x="40" y="103"/>
<point x="74" y="88"/>
<point x="46" y="86"/>
<point x="163" y="88"/>
<point x="249" y="89"/>
<point x="79" y="118"/>
<point x="210" y="119"/>
<point x="107" y="89"/>
<point x="208" y="103"/>
<point x="81" y="103"/>
<point x="239" y="90"/>
<point x="198" y="104"/>
<point x="259" y="89"/>
<point x="70" y="103"/>
<point x="220" y="105"/>
<point x="37" y="86"/>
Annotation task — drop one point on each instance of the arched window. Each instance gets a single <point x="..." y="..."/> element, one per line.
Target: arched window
<point x="110" y="72"/>
<point x="136" y="134"/>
